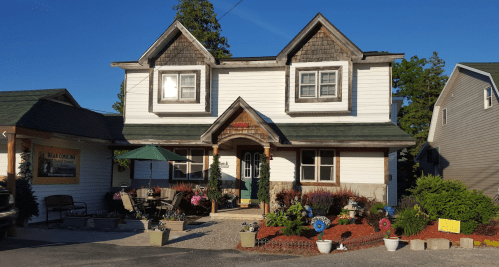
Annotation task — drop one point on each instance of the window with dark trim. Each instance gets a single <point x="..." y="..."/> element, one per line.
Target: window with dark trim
<point x="189" y="170"/>
<point x="178" y="86"/>
<point x="318" y="84"/>
<point x="317" y="165"/>
<point x="488" y="97"/>
<point x="444" y="116"/>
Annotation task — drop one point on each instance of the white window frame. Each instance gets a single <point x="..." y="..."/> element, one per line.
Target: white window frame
<point x="445" y="116"/>
<point x="180" y="86"/>
<point x="335" y="83"/>
<point x="180" y="163"/>
<point x="195" y="163"/>
<point x="245" y="167"/>
<point x="315" y="166"/>
<point x="487" y="101"/>
<point x="300" y="81"/>
<point x="319" y="160"/>
<point x="259" y="166"/>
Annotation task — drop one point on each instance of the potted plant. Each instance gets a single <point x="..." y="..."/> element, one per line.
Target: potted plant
<point x="324" y="246"/>
<point x="248" y="235"/>
<point x="174" y="221"/>
<point x="103" y="220"/>
<point x="140" y="222"/>
<point x="159" y="236"/>
<point x="75" y="218"/>
<point x="391" y="243"/>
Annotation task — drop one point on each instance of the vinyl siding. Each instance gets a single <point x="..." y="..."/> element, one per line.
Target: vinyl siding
<point x="282" y="166"/>
<point x="4" y="159"/>
<point x="264" y="90"/>
<point x="95" y="177"/>
<point x="468" y="142"/>
<point x="362" y="167"/>
<point x="229" y="157"/>
<point x="392" y="185"/>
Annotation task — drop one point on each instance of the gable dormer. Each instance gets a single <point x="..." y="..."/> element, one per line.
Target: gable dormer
<point x="178" y="74"/>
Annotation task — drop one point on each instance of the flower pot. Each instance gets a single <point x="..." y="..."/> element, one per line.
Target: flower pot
<point x="159" y="238"/>
<point x="103" y="223"/>
<point x="75" y="221"/>
<point x="248" y="239"/>
<point x="174" y="225"/>
<point x="391" y="243"/>
<point x="136" y="224"/>
<point x="324" y="246"/>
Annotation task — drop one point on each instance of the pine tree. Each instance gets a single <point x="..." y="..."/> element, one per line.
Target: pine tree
<point x="118" y="105"/>
<point x="215" y="183"/>
<point x="264" y="183"/>
<point x="199" y="18"/>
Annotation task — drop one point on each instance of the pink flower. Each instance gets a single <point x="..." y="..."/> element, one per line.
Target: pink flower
<point x="195" y="200"/>
<point x="384" y="224"/>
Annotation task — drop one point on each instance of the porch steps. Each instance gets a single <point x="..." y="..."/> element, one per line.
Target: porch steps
<point x="238" y="214"/>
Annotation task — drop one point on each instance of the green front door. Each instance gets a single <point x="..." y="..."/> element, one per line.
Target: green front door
<point x="250" y="174"/>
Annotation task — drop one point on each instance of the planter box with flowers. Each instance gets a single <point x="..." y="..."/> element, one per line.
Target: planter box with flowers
<point x="159" y="236"/>
<point x="103" y="220"/>
<point x="75" y="218"/>
<point x="248" y="235"/>
<point x="140" y="222"/>
<point x="174" y="221"/>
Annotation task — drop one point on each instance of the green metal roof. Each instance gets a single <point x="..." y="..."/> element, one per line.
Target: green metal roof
<point x="32" y="109"/>
<point x="490" y="67"/>
<point x="287" y="131"/>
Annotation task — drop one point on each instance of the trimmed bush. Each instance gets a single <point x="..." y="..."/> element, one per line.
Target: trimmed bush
<point x="320" y="200"/>
<point x="377" y="206"/>
<point x="287" y="198"/>
<point x="293" y="227"/>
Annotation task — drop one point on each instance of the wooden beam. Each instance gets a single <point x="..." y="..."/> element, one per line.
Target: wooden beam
<point x="11" y="173"/>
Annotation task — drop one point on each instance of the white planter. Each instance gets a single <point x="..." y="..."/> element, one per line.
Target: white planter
<point x="392" y="243"/>
<point x="324" y="246"/>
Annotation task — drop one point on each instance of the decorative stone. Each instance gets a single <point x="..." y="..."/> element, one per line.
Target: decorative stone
<point x="417" y="244"/>
<point x="466" y="242"/>
<point x="438" y="243"/>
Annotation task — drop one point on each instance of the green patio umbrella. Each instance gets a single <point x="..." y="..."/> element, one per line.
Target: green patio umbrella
<point x="151" y="152"/>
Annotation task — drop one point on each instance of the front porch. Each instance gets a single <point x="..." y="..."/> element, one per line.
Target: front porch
<point x="248" y="214"/>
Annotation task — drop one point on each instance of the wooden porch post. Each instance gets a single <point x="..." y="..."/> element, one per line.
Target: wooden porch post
<point x="11" y="173"/>
<point x="267" y="154"/>
<point x="214" y="205"/>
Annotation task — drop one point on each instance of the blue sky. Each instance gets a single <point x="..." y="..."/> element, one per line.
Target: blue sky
<point x="70" y="44"/>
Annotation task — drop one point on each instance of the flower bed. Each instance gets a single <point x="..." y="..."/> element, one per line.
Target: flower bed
<point x="353" y="236"/>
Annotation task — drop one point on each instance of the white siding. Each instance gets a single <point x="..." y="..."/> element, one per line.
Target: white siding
<point x="230" y="158"/>
<point x="324" y="106"/>
<point x="362" y="167"/>
<point x="142" y="169"/>
<point x="392" y="185"/>
<point x="282" y="166"/>
<point x="4" y="159"/>
<point x="95" y="177"/>
<point x="264" y="90"/>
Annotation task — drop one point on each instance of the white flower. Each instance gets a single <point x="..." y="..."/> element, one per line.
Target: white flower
<point x="251" y="229"/>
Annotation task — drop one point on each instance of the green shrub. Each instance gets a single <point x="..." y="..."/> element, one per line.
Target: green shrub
<point x="448" y="199"/>
<point x="407" y="202"/>
<point x="377" y="206"/>
<point x="295" y="211"/>
<point x="275" y="219"/>
<point x="343" y="221"/>
<point x="412" y="221"/>
<point x="293" y="227"/>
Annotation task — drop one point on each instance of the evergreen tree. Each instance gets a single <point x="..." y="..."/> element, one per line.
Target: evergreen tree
<point x="264" y="183"/>
<point x="201" y="21"/>
<point x="420" y="82"/>
<point x="118" y="105"/>
<point x="215" y="183"/>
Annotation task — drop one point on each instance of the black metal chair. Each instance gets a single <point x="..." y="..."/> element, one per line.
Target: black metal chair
<point x="170" y="206"/>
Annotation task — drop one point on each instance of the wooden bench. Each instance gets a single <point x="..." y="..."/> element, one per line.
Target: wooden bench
<point x="61" y="203"/>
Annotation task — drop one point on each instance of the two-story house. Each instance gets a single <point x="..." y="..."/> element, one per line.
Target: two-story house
<point x="462" y="139"/>
<point x="321" y="109"/>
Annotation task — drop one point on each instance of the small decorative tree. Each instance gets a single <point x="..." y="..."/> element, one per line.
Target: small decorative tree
<point x="25" y="170"/>
<point x="215" y="184"/>
<point x="264" y="184"/>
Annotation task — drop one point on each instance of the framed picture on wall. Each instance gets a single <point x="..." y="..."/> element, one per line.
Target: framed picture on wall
<point x="56" y="165"/>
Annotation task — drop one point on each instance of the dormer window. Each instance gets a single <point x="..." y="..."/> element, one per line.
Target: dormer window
<point x="320" y="84"/>
<point x="488" y="97"/>
<point x="178" y="87"/>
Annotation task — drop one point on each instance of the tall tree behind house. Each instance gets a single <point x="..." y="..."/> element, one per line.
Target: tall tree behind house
<point x="200" y="19"/>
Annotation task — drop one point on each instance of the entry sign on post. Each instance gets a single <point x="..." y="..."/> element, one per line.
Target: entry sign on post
<point x="451" y="226"/>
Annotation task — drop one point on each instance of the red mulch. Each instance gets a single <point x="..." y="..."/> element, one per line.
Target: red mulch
<point x="335" y="231"/>
<point x="431" y="231"/>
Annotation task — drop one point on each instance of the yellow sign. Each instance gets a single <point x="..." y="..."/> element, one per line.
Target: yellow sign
<point x="452" y="226"/>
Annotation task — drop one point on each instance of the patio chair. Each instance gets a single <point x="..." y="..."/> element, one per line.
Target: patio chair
<point x="142" y="194"/>
<point x="129" y="204"/>
<point x="168" y="193"/>
<point x="171" y="206"/>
